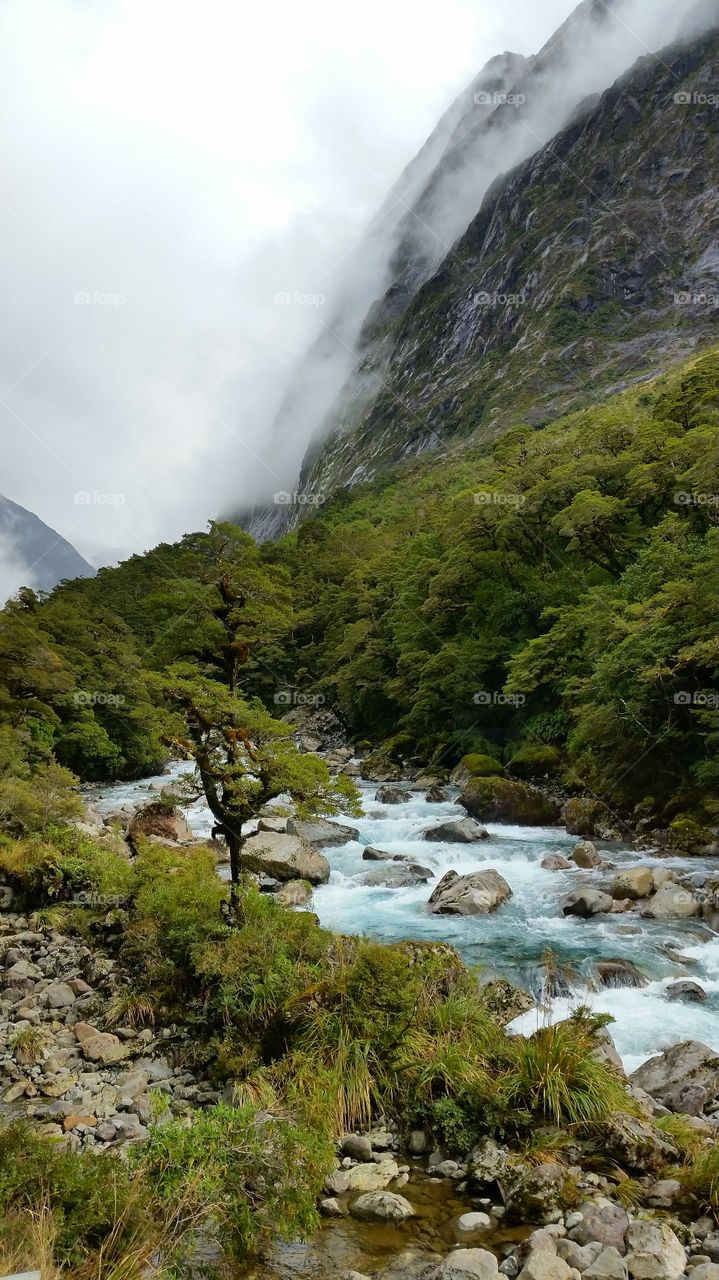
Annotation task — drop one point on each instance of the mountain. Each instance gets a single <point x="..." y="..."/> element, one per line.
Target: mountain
<point x="563" y="222"/>
<point x="33" y="554"/>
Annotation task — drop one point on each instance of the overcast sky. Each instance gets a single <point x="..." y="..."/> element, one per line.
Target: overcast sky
<point x="168" y="168"/>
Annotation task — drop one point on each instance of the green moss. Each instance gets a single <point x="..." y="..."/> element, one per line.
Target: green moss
<point x="480" y="766"/>
<point x="534" y="761"/>
<point x="504" y="800"/>
<point x="688" y="835"/>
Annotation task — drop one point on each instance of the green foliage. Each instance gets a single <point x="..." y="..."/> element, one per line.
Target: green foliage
<point x="30" y="804"/>
<point x="533" y="760"/>
<point x="700" y="1183"/>
<point x="557" y="1076"/>
<point x="64" y="864"/>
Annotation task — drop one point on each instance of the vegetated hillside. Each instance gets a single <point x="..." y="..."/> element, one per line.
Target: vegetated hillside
<point x="591" y="264"/>
<point x="568" y="576"/>
<point x="35" y="550"/>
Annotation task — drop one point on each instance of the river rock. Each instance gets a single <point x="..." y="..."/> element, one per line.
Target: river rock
<point x="320" y="832"/>
<point x="654" y="1252"/>
<point x="437" y="794"/>
<point x="634" y="882"/>
<point x="586" y="902"/>
<point x="601" y="1221"/>
<point x="457" y="831"/>
<point x="617" y="972"/>
<point x="397" y="876"/>
<point x="545" y="1266"/>
<point x="99" y="1046"/>
<point x="156" y="819"/>
<point x="475" y="894"/>
<point x="390" y="794"/>
<point x="556" y="862"/>
<point x="635" y="1144"/>
<point x="671" y="1075"/>
<point x="382" y="1206"/>
<point x="664" y="1193"/>
<point x="294" y="893"/>
<point x="59" y="995"/>
<point x="609" y="1265"/>
<point x="468" y="1223"/>
<point x="373" y="1177"/>
<point x="585" y="855"/>
<point x="357" y="1146"/>
<point x="285" y="857"/>
<point x="504" y="800"/>
<point x="685" y="990"/>
<point x="272" y="824"/>
<point x="671" y="900"/>
<point x="468" y="1264"/>
<point x="705" y="1271"/>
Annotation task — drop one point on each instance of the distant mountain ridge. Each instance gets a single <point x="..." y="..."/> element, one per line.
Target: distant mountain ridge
<point x="32" y="554"/>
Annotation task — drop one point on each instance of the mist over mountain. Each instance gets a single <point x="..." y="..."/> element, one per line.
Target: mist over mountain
<point x="32" y="554"/>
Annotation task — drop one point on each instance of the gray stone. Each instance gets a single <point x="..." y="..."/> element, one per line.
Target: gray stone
<point x="468" y="1223"/>
<point x="671" y="900"/>
<point x="392" y="795"/>
<point x="654" y="1252"/>
<point x="705" y="1271"/>
<point x="397" y="876"/>
<point x="284" y="856"/>
<point x="545" y="1266"/>
<point x="478" y="893"/>
<point x="468" y="1264"/>
<point x="556" y="862"/>
<point x="373" y="1177"/>
<point x="320" y="832"/>
<point x="585" y="855"/>
<point x="586" y="902"/>
<point x="663" y="1193"/>
<point x="60" y="995"/>
<point x="382" y="1206"/>
<point x="602" y="1221"/>
<point x="418" y="1143"/>
<point x="610" y="1265"/>
<point x="669" y="1076"/>
<point x="356" y="1146"/>
<point x="457" y="831"/>
<point x="685" y="990"/>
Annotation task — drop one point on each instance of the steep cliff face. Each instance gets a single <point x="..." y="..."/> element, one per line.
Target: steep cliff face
<point x="592" y="262"/>
<point x="33" y="554"/>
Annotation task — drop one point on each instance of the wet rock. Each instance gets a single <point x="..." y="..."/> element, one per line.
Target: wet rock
<point x="382" y="1206"/>
<point x="671" y="900"/>
<point x="603" y="1222"/>
<point x="556" y="862"/>
<point x="586" y="902"/>
<point x="478" y="893"/>
<point x="391" y="795"/>
<point x="685" y="990"/>
<point x="437" y="795"/>
<point x="320" y="832"/>
<point x="397" y="876"/>
<point x="617" y="972"/>
<point x="668" y="1076"/>
<point x="634" y="883"/>
<point x="457" y="831"/>
<point x="504" y="800"/>
<point x="582" y="814"/>
<point x="654" y="1252"/>
<point x="284" y="856"/>
<point x="468" y="1264"/>
<point x="585" y="855"/>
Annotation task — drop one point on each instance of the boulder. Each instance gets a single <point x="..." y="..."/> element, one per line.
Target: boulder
<point x="457" y="831"/>
<point x="436" y="794"/>
<point x="272" y="824"/>
<point x="99" y="1046"/>
<point x="397" y="876"/>
<point x="320" y="832"/>
<point x="294" y="893"/>
<point x="357" y="1146"/>
<point x="390" y="794"/>
<point x="636" y="1145"/>
<point x="373" y="1177"/>
<point x="468" y="1264"/>
<point x="663" y="1194"/>
<point x="469" y="1223"/>
<point x="585" y="855"/>
<point x="532" y="1192"/>
<point x="285" y="857"/>
<point x="545" y="1266"/>
<point x="505" y="800"/>
<point x="475" y="765"/>
<point x="586" y="902"/>
<point x="617" y="972"/>
<point x="475" y="894"/>
<point x="382" y="1206"/>
<point x="602" y="1221"/>
<point x="158" y="819"/>
<point x="59" y="995"/>
<point x="685" y="990"/>
<point x="609" y="1265"/>
<point x="634" y="882"/>
<point x="684" y="1074"/>
<point x="556" y="862"/>
<point x="705" y="1271"/>
<point x="671" y="900"/>
<point x="654" y="1252"/>
<point x="582" y="814"/>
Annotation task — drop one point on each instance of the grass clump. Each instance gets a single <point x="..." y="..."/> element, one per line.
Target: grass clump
<point x="557" y="1076"/>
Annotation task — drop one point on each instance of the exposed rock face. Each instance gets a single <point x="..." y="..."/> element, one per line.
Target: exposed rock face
<point x="320" y="832"/>
<point x="684" y="1077"/>
<point x="504" y="800"/>
<point x="285" y="857"/>
<point x="475" y="894"/>
<point x="582" y="815"/>
<point x="637" y="1145"/>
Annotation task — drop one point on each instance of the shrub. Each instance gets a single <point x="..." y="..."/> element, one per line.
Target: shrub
<point x="29" y="806"/>
<point x="557" y="1076"/>
<point x="63" y="864"/>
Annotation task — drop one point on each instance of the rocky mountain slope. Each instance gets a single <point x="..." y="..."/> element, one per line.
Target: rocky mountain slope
<point x="546" y="229"/>
<point x="33" y="554"/>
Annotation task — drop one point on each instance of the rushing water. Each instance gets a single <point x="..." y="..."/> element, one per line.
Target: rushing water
<point x="511" y="941"/>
